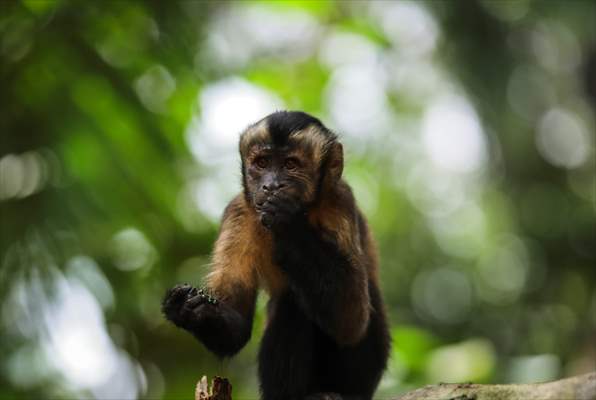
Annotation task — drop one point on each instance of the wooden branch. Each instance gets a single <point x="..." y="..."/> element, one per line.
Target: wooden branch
<point x="581" y="387"/>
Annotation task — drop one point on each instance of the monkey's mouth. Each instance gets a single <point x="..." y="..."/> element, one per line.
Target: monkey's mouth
<point x="267" y="211"/>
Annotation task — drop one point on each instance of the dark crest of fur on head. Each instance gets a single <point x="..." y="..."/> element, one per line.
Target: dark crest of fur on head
<point x="282" y="124"/>
<point x="278" y="127"/>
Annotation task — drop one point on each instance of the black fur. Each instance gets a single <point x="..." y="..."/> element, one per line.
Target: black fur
<point x="316" y="271"/>
<point x="287" y="352"/>
<point x="297" y="359"/>
<point x="355" y="371"/>
<point x="222" y="329"/>
<point x="298" y="344"/>
<point x="282" y="123"/>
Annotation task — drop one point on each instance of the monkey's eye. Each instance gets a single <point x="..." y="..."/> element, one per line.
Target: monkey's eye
<point x="262" y="162"/>
<point x="291" y="164"/>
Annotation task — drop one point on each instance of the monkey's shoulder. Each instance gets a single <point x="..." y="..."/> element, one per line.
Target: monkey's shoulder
<point x="240" y="227"/>
<point x="236" y="206"/>
<point x="237" y="211"/>
<point x="344" y="197"/>
<point x="340" y="205"/>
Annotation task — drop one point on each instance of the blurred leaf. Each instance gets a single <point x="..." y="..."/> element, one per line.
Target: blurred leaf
<point x="413" y="346"/>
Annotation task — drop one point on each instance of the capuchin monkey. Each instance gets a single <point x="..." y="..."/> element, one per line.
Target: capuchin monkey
<point x="297" y="232"/>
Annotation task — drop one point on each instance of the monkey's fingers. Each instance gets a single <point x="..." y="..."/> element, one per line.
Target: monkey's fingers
<point x="200" y="298"/>
<point x="177" y="294"/>
<point x="267" y="219"/>
<point x="284" y="205"/>
<point x="195" y="301"/>
<point x="173" y="303"/>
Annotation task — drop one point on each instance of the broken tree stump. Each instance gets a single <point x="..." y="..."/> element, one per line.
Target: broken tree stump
<point x="221" y="389"/>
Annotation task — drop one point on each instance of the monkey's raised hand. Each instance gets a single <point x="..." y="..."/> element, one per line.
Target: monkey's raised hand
<point x="279" y="212"/>
<point x="187" y="307"/>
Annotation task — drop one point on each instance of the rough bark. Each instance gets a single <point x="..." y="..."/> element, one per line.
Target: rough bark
<point x="581" y="387"/>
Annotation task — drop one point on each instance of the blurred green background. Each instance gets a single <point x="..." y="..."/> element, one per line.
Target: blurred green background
<point x="469" y="137"/>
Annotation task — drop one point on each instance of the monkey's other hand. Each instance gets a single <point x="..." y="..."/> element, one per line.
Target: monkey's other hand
<point x="186" y="306"/>
<point x="279" y="212"/>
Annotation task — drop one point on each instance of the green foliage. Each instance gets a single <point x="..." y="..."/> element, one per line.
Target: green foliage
<point x="468" y="132"/>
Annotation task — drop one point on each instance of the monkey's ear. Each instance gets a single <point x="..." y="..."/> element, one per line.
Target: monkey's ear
<point x="335" y="163"/>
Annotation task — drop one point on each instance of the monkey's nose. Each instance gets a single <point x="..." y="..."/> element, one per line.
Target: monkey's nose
<point x="273" y="187"/>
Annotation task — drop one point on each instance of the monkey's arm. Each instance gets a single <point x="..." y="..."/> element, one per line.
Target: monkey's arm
<point x="223" y="323"/>
<point x="331" y="285"/>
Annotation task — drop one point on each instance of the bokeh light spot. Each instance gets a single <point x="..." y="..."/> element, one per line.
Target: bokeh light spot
<point x="562" y="139"/>
<point x="452" y="135"/>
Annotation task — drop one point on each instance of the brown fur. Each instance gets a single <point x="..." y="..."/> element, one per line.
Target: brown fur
<point x="256" y="133"/>
<point x="242" y="256"/>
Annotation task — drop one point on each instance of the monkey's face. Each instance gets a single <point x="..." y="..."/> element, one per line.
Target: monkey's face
<point x="280" y="182"/>
<point x="288" y="158"/>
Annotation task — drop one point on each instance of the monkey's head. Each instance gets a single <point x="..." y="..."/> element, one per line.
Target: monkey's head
<point x="289" y="161"/>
